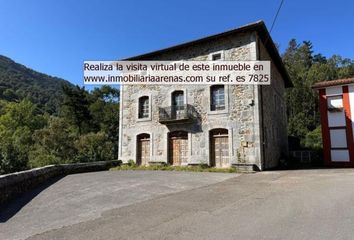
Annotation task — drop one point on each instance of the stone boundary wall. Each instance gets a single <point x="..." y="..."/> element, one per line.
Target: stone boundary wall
<point x="14" y="184"/>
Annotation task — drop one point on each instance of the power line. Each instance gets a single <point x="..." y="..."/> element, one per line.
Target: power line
<point x="276" y="15"/>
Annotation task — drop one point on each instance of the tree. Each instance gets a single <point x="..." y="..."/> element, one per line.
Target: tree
<point x="94" y="147"/>
<point x="75" y="108"/>
<point x="300" y="99"/>
<point x="9" y="95"/>
<point x="17" y="124"/>
<point x="313" y="139"/>
<point x="104" y="109"/>
<point x="53" y="144"/>
<point x="106" y="93"/>
<point x="305" y="69"/>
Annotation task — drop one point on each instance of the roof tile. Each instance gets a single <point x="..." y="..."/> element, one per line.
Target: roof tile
<point x="331" y="83"/>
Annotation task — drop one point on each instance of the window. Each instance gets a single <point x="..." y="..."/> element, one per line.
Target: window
<point x="144" y="107"/>
<point x="216" y="57"/>
<point x="335" y="103"/>
<point x="178" y="100"/>
<point x="217" y="97"/>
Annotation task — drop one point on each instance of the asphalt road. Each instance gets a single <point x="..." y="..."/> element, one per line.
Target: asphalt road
<point x="83" y="197"/>
<point x="306" y="204"/>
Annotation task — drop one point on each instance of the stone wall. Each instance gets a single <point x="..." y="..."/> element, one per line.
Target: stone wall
<point x="274" y="115"/>
<point x="240" y="117"/>
<point x="14" y="184"/>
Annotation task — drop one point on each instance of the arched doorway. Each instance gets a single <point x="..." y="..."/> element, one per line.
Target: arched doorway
<point x="219" y="148"/>
<point x="178" y="148"/>
<point x="143" y="149"/>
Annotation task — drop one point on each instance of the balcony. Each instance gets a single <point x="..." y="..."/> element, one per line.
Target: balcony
<point x="177" y="114"/>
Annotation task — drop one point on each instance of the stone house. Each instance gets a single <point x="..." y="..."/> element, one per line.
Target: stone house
<point x="220" y="125"/>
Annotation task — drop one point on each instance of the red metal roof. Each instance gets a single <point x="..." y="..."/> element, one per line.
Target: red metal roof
<point x="331" y="83"/>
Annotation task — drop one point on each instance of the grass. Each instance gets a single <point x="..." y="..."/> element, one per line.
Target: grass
<point x="197" y="168"/>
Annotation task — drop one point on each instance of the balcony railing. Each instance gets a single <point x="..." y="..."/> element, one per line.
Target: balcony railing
<point x="177" y="114"/>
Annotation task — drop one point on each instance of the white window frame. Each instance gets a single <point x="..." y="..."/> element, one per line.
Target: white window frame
<point x="226" y="96"/>
<point x="138" y="108"/>
<point x="184" y="90"/>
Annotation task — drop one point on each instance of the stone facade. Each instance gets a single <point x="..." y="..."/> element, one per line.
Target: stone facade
<point x="274" y="116"/>
<point x="256" y="124"/>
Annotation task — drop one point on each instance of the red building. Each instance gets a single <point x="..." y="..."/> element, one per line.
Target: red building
<point x="337" y="114"/>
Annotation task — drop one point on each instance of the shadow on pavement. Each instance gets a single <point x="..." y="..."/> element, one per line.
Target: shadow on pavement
<point x="7" y="211"/>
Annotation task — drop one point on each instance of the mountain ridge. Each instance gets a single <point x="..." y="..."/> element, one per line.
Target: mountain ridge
<point x="19" y="82"/>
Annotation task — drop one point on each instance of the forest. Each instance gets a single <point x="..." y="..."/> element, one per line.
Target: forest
<point x="46" y="120"/>
<point x="306" y="68"/>
<point x="85" y="129"/>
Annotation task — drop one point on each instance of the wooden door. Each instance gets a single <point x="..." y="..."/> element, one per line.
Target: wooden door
<point x="219" y="149"/>
<point x="143" y="151"/>
<point x="178" y="148"/>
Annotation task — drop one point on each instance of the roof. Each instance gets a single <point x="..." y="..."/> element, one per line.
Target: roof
<point x="331" y="83"/>
<point x="258" y="27"/>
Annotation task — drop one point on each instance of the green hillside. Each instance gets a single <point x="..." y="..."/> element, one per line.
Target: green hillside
<point x="18" y="82"/>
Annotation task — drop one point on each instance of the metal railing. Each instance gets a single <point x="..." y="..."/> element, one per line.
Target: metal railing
<point x="304" y="156"/>
<point x="177" y="113"/>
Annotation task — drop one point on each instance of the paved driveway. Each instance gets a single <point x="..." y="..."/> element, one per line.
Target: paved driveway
<point x="307" y="204"/>
<point x="83" y="197"/>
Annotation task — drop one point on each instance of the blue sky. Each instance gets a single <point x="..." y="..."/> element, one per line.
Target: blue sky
<point x="55" y="37"/>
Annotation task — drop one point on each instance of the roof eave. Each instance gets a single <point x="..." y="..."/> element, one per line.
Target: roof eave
<point x="258" y="26"/>
<point x="333" y="83"/>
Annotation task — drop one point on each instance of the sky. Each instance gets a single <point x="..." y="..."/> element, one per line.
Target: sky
<point x="55" y="37"/>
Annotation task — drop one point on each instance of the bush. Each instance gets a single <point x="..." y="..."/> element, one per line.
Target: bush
<point x="12" y="159"/>
<point x="52" y="144"/>
<point x="131" y="163"/>
<point x="313" y="139"/>
<point x="165" y="167"/>
<point x="18" y="121"/>
<point x="94" y="147"/>
<point x="40" y="157"/>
